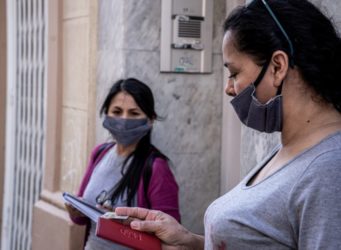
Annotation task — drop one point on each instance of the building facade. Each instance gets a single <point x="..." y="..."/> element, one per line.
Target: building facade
<point x="57" y="60"/>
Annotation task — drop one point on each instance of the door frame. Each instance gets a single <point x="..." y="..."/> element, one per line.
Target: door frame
<point x="9" y="117"/>
<point x="3" y="79"/>
<point x="230" y="172"/>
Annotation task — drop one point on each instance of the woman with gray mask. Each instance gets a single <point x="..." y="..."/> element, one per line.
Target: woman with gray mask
<point x="284" y="62"/>
<point x="129" y="171"/>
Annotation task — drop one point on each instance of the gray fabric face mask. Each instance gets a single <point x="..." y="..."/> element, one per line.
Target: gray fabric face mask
<point x="127" y="131"/>
<point x="262" y="117"/>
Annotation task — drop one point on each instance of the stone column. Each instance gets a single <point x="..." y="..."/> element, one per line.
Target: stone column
<point x="191" y="104"/>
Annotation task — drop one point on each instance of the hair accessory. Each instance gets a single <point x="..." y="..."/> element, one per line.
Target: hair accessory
<point x="282" y="30"/>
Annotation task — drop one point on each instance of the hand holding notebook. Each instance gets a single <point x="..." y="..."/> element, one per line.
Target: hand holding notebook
<point x="110" y="227"/>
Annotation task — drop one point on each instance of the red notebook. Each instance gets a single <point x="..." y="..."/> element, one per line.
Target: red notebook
<point x="115" y="231"/>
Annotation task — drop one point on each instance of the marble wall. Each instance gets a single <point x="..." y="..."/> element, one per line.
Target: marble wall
<point x="191" y="104"/>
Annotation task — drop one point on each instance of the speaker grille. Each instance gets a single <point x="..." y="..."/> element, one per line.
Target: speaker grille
<point x="190" y="28"/>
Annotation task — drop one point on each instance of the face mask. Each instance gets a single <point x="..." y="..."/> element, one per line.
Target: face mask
<point x="262" y="117"/>
<point x="127" y="131"/>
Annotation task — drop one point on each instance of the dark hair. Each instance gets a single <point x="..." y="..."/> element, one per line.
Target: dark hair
<point x="145" y="152"/>
<point x="141" y="93"/>
<point x="317" y="46"/>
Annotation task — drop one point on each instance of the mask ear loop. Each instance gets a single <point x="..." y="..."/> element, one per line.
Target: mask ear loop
<point x="279" y="90"/>
<point x="261" y="74"/>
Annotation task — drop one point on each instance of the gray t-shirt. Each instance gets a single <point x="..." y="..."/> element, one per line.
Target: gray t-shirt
<point x="297" y="207"/>
<point x="104" y="177"/>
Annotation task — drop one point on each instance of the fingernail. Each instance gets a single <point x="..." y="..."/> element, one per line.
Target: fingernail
<point x="135" y="225"/>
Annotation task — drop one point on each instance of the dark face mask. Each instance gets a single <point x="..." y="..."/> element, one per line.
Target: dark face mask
<point x="127" y="131"/>
<point x="262" y="117"/>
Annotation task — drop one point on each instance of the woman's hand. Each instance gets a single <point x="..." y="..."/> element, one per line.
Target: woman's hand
<point x="73" y="212"/>
<point x="164" y="226"/>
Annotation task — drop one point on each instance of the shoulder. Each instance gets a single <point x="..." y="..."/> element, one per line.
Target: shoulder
<point x="160" y="162"/>
<point x="160" y="166"/>
<point x="156" y="157"/>
<point x="326" y="163"/>
<point x="100" y="148"/>
<point x="321" y="177"/>
<point x="324" y="160"/>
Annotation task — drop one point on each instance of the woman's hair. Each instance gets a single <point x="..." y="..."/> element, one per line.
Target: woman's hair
<point x="316" y="43"/>
<point x="141" y="93"/>
<point x="141" y="162"/>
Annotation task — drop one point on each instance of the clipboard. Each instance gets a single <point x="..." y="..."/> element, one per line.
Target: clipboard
<point x="86" y="208"/>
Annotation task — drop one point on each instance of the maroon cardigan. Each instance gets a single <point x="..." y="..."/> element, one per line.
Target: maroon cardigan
<point x="162" y="191"/>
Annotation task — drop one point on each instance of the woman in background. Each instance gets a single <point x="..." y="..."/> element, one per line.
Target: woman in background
<point x="129" y="171"/>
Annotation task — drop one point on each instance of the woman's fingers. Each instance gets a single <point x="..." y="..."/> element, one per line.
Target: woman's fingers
<point x="164" y="226"/>
<point x="146" y="226"/>
<point x="136" y="212"/>
<point x="167" y="247"/>
<point x="73" y="211"/>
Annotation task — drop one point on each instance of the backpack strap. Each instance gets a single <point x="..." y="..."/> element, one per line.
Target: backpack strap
<point x="102" y="148"/>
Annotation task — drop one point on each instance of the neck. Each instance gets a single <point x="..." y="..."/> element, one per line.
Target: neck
<point x="310" y="125"/>
<point x="125" y="150"/>
<point x="306" y="118"/>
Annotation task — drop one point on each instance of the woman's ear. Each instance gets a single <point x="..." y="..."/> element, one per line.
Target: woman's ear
<point x="279" y="66"/>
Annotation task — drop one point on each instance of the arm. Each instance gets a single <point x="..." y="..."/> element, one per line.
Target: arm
<point x="164" y="226"/>
<point x="163" y="191"/>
